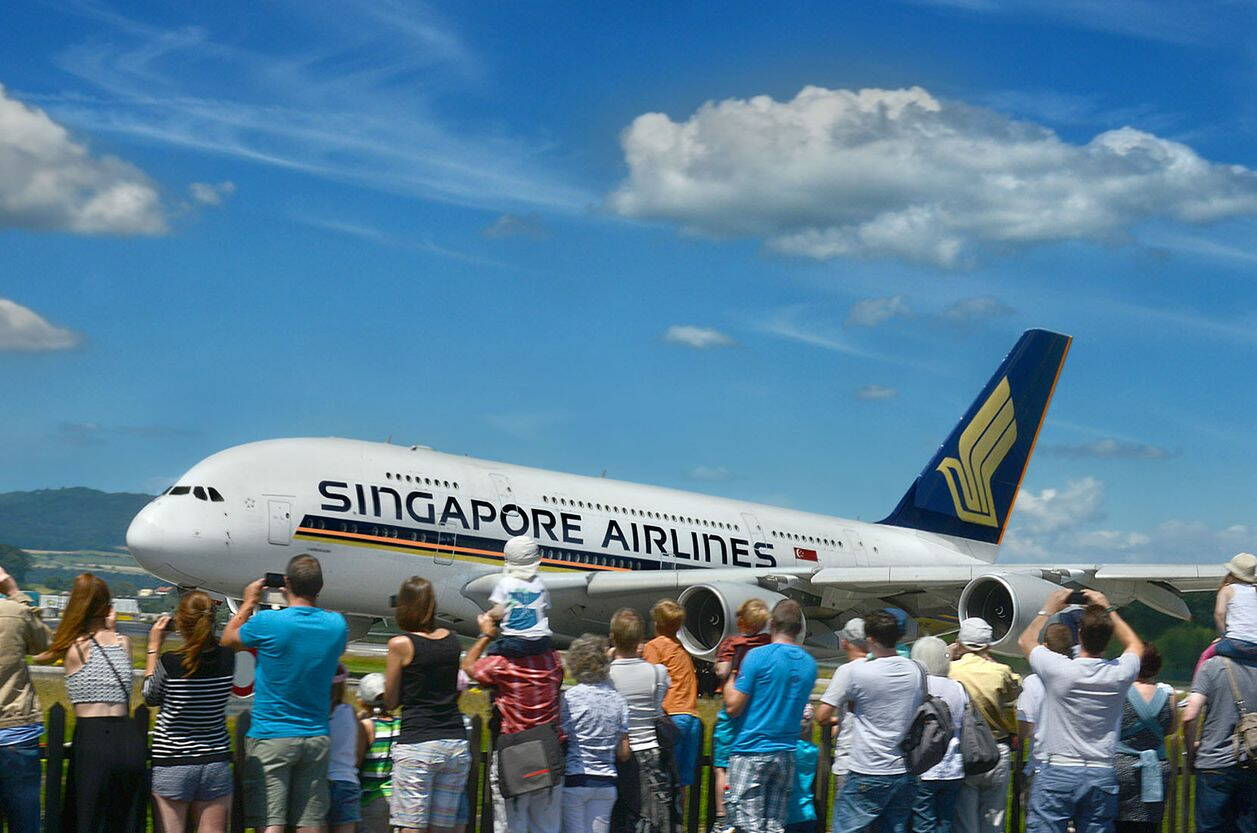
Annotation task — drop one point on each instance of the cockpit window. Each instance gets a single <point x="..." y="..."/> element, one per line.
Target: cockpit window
<point x="214" y="495"/>
<point x="180" y="490"/>
<point x="199" y="493"/>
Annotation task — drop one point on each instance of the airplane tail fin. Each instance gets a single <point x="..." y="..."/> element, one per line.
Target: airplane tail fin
<point x="969" y="487"/>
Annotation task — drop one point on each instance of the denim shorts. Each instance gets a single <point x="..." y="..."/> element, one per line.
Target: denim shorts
<point x="193" y="782"/>
<point x="345" y="804"/>
<point x="689" y="742"/>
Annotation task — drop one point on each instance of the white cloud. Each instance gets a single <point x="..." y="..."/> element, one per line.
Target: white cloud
<point x="1111" y="448"/>
<point x="356" y="93"/>
<point x="977" y="309"/>
<point x="700" y="338"/>
<point x="516" y="225"/>
<point x="869" y="312"/>
<point x="209" y="193"/>
<point x="874" y="392"/>
<point x="1055" y="526"/>
<point x="902" y="174"/>
<point x="526" y="425"/>
<point x="1053" y="510"/>
<point x="24" y="330"/>
<point x="50" y="182"/>
<point x="709" y="473"/>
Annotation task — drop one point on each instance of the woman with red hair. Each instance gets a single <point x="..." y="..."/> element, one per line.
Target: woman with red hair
<point x="106" y="778"/>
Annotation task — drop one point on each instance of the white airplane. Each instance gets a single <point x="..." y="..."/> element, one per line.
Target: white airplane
<point x="376" y="513"/>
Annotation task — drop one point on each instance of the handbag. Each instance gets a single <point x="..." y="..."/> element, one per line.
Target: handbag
<point x="529" y="761"/>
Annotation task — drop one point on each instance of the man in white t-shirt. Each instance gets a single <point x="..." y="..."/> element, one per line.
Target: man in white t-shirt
<point x="884" y="693"/>
<point x="1076" y="737"/>
<point x="852" y="643"/>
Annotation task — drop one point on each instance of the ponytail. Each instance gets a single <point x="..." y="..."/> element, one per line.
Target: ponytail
<point x="195" y="620"/>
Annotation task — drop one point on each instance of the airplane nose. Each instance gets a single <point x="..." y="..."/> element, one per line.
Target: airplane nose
<point x="146" y="539"/>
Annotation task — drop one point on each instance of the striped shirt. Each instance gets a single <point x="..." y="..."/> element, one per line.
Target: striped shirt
<point x="377" y="763"/>
<point x="192" y="725"/>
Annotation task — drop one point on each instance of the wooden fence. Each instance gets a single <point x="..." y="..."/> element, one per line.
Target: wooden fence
<point x="698" y="812"/>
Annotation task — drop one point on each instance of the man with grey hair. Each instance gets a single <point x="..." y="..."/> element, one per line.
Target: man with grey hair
<point x="853" y="645"/>
<point x="993" y="688"/>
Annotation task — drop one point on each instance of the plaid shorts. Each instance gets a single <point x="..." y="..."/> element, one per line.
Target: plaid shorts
<point x="429" y="780"/>
<point x="759" y="791"/>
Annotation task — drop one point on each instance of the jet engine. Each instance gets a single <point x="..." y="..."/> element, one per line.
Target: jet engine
<point x="1009" y="602"/>
<point x="711" y="614"/>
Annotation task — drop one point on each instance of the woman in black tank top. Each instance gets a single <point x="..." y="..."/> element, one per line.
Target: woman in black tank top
<point x="430" y="756"/>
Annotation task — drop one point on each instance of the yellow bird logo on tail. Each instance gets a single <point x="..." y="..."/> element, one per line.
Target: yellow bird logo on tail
<point x="983" y="445"/>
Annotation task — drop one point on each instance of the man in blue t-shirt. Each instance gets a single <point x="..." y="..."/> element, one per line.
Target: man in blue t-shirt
<point x="286" y="752"/>
<point x="766" y="700"/>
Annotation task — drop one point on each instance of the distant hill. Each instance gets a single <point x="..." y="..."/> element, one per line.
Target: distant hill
<point x="67" y="519"/>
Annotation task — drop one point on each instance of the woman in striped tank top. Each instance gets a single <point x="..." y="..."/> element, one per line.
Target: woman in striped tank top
<point x="375" y="755"/>
<point x="192" y="783"/>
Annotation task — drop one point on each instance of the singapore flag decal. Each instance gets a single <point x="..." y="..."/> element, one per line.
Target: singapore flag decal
<point x="801" y="554"/>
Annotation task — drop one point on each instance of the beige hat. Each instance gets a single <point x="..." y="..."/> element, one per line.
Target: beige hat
<point x="1244" y="567"/>
<point x="975" y="634"/>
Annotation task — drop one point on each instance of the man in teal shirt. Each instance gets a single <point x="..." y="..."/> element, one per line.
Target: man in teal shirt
<point x="766" y="698"/>
<point x="286" y="752"/>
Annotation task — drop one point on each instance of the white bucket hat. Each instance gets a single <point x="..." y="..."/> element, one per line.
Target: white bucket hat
<point x="1244" y="567"/>
<point x="522" y="557"/>
<point x="975" y="634"/>
<point x="371" y="689"/>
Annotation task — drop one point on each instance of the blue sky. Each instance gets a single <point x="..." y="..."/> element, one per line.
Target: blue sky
<point x="764" y="255"/>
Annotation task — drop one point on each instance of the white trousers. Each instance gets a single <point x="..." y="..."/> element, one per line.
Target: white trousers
<point x="538" y="812"/>
<point x="982" y="803"/>
<point x="587" y="809"/>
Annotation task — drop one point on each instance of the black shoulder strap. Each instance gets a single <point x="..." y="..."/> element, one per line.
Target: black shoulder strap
<point x="126" y="692"/>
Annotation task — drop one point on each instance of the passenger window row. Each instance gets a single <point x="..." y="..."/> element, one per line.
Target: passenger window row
<point x="637" y="513"/>
<point x="807" y="539"/>
<point x="416" y="479"/>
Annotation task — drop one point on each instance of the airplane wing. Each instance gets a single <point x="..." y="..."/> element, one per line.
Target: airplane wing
<point x="1125" y="579"/>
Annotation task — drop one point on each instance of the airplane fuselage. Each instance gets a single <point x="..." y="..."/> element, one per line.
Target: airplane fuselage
<point x="375" y="514"/>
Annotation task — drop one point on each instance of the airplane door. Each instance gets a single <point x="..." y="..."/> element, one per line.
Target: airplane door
<point x="855" y="547"/>
<point x="753" y="529"/>
<point x="446" y="540"/>
<point x="280" y="528"/>
<point x="503" y="486"/>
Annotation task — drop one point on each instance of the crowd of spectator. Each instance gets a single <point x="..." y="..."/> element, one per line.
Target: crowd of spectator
<point x="922" y="734"/>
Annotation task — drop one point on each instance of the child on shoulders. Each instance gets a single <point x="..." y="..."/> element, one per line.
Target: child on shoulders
<point x="521" y="602"/>
<point x="1235" y="611"/>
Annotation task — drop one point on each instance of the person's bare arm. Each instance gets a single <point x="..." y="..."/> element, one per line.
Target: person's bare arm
<point x="1030" y="636"/>
<point x="722" y="669"/>
<point x="735" y="701"/>
<point x="400" y="653"/>
<point x="156" y="635"/>
<point x="488" y="630"/>
<point x="231" y="634"/>
<point x="1124" y="633"/>
<point x="1191" y="713"/>
<point x="622" y="749"/>
<point x="824" y="713"/>
<point x="1219" y="608"/>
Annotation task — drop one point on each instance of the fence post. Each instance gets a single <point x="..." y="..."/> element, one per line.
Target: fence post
<point x="473" y="776"/>
<point x="237" y="771"/>
<point x="485" y="824"/>
<point x="55" y="755"/>
<point x="820" y="789"/>
<point x="1185" y="800"/>
<point x="140" y="716"/>
<point x="1171" y="800"/>
<point x="1018" y="782"/>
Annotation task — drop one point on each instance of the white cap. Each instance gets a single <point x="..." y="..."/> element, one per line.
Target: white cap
<point x="522" y="557"/>
<point x="975" y="633"/>
<point x="371" y="688"/>
<point x="853" y="631"/>
<point x="1244" y="567"/>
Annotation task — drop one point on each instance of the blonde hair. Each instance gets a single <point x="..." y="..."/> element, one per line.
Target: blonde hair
<point x="752" y="616"/>
<point x="194" y="618"/>
<point x="626" y="630"/>
<point x="668" y="617"/>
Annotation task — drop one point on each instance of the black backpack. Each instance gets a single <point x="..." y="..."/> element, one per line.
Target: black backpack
<point x="977" y="743"/>
<point x="930" y="732"/>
